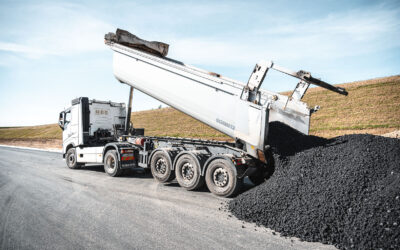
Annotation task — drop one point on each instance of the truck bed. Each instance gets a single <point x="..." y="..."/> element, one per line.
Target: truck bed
<point x="207" y="97"/>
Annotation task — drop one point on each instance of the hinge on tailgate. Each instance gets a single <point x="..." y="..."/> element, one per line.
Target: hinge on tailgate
<point x="250" y="91"/>
<point x="258" y="75"/>
<point x="298" y="92"/>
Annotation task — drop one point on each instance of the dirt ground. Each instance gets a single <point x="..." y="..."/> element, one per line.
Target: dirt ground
<point x="33" y="143"/>
<point x="394" y="134"/>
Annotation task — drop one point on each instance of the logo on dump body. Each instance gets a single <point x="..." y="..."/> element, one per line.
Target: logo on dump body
<point x="226" y="124"/>
<point x="101" y="112"/>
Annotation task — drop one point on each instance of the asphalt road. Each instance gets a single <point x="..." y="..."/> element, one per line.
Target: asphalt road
<point x="45" y="205"/>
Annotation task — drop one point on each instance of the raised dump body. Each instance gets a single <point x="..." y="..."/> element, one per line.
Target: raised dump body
<point x="241" y="111"/>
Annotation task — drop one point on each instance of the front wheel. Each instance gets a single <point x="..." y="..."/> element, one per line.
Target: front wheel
<point x="70" y="158"/>
<point x="221" y="178"/>
<point x="111" y="164"/>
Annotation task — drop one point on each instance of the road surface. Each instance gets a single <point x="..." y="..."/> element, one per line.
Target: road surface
<point x="45" y="205"/>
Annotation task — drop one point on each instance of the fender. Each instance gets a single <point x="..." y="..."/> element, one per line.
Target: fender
<point x="70" y="145"/>
<point x="117" y="147"/>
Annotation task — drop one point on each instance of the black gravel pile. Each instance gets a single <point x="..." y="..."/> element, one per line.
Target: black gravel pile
<point x="344" y="191"/>
<point x="286" y="141"/>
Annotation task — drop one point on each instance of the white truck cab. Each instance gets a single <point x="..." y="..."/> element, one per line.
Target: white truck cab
<point x="87" y="126"/>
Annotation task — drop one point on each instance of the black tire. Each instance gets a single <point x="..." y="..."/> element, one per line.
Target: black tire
<point x="70" y="159"/>
<point x="265" y="170"/>
<point x="187" y="172"/>
<point x="161" y="168"/>
<point x="262" y="175"/>
<point x="111" y="163"/>
<point x="257" y="179"/>
<point x="221" y="178"/>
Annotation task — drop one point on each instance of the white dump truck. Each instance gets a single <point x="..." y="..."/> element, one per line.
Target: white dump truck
<point x="100" y="132"/>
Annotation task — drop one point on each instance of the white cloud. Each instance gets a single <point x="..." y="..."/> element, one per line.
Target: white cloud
<point x="206" y="51"/>
<point x="18" y="49"/>
<point x="60" y="30"/>
<point x="68" y="28"/>
<point x="9" y="60"/>
<point x="339" y="35"/>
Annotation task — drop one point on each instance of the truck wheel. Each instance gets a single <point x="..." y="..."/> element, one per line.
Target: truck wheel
<point x="161" y="168"/>
<point x="111" y="163"/>
<point x="187" y="173"/>
<point x="70" y="158"/>
<point x="257" y="179"/>
<point x="264" y="172"/>
<point x="221" y="178"/>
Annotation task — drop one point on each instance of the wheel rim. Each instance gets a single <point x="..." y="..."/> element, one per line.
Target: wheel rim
<point x="161" y="166"/>
<point x="71" y="159"/>
<point x="187" y="171"/>
<point x="220" y="177"/>
<point x="111" y="164"/>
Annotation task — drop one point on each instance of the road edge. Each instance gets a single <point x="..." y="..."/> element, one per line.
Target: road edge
<point x="54" y="150"/>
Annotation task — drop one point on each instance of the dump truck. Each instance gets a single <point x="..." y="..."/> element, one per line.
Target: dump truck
<point x="100" y="132"/>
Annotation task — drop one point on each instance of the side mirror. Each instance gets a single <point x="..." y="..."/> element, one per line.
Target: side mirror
<point x="61" y="120"/>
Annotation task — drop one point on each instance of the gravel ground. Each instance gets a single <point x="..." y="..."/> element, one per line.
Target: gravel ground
<point x="344" y="191"/>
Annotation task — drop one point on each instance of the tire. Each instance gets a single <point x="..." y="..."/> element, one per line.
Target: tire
<point x="161" y="168"/>
<point x="257" y="179"/>
<point x="187" y="172"/>
<point x="262" y="175"/>
<point x="265" y="171"/>
<point x="111" y="163"/>
<point x="70" y="159"/>
<point x="221" y="178"/>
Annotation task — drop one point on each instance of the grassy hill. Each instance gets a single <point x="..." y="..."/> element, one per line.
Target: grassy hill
<point x="50" y="131"/>
<point x="372" y="106"/>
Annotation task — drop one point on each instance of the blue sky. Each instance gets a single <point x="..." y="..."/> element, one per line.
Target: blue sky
<point x="52" y="52"/>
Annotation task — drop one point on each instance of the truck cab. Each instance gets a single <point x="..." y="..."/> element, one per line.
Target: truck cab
<point x="87" y="126"/>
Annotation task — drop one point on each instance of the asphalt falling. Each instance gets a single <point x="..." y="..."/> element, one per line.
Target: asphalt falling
<point x="343" y="191"/>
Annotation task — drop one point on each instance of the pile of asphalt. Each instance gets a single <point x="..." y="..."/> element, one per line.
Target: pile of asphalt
<point x="344" y="191"/>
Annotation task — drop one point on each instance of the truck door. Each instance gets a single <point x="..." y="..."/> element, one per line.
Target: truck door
<point x="70" y="133"/>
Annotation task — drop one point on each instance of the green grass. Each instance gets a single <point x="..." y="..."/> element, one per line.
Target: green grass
<point x="372" y="106"/>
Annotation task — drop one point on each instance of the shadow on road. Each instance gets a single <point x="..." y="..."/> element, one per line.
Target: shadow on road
<point x="127" y="173"/>
<point x="137" y="173"/>
<point x="96" y="168"/>
<point x="146" y="174"/>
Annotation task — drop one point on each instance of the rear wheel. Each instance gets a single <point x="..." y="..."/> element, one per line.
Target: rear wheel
<point x="187" y="172"/>
<point x="70" y="158"/>
<point x="111" y="163"/>
<point x="221" y="178"/>
<point x="257" y="179"/>
<point x="161" y="168"/>
<point x="265" y="171"/>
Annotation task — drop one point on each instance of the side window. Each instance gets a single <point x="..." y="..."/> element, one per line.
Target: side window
<point x="67" y="118"/>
